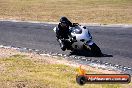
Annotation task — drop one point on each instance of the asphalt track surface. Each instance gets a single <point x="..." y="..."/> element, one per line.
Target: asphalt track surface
<point x="115" y="42"/>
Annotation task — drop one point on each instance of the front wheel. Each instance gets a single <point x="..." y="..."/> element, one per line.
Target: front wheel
<point x="95" y="50"/>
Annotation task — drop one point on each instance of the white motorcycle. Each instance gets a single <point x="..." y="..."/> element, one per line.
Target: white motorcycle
<point x="80" y="39"/>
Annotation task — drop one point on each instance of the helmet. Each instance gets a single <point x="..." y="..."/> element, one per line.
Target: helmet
<point x="64" y="22"/>
<point x="62" y="19"/>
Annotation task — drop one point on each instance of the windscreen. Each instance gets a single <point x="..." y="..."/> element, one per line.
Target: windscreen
<point x="76" y="30"/>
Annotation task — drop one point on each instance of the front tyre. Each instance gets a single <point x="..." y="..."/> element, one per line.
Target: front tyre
<point x="95" y="50"/>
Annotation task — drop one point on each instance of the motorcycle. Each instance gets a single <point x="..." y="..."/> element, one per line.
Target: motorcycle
<point x="80" y="39"/>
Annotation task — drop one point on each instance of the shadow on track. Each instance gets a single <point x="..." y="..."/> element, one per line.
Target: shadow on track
<point x="87" y="54"/>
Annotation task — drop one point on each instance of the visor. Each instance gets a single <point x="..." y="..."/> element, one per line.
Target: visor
<point x="63" y="24"/>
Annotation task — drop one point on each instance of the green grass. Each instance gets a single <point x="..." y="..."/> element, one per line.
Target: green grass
<point x="96" y="11"/>
<point x="19" y="71"/>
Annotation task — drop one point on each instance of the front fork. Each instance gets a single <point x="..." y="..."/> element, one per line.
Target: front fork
<point x="94" y="48"/>
<point x="88" y="44"/>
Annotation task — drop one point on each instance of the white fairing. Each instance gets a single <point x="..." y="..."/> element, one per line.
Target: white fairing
<point x="84" y="35"/>
<point x="81" y="33"/>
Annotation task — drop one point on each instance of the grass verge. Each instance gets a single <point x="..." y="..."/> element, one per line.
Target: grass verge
<point x="84" y="11"/>
<point x="22" y="72"/>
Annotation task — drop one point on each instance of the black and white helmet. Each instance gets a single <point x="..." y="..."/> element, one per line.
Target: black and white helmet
<point x="64" y="22"/>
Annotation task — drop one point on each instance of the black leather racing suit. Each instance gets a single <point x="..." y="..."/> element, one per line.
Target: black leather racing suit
<point x="63" y="34"/>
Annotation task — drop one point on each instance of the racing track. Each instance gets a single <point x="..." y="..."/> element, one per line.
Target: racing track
<point x="115" y="42"/>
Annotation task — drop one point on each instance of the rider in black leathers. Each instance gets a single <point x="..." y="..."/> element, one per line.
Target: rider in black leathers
<point x="63" y="33"/>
